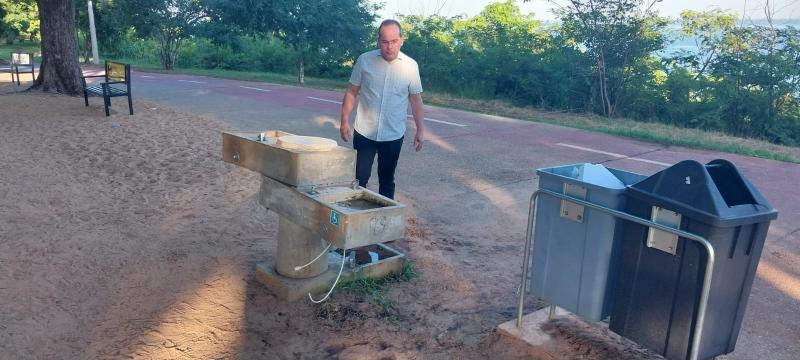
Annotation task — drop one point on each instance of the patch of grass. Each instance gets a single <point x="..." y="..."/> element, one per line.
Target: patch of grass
<point x="650" y="131"/>
<point x="407" y="273"/>
<point x="340" y="315"/>
<point x="22" y="46"/>
<point x="375" y="291"/>
<point x="285" y="79"/>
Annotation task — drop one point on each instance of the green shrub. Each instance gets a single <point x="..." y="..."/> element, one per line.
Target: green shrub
<point x="270" y="54"/>
<point x="130" y="46"/>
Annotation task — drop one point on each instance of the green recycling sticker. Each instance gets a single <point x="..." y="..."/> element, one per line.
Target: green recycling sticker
<point x="334" y="217"/>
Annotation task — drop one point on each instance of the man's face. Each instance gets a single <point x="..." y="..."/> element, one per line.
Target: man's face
<point x="390" y="42"/>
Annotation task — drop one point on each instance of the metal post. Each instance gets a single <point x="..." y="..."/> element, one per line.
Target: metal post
<point x="93" y="33"/>
<point x="701" y="307"/>
<point x="526" y="258"/>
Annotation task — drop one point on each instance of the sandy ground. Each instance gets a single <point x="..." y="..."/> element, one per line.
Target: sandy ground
<point x="128" y="237"/>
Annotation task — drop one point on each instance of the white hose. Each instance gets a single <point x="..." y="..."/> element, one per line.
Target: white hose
<point x="344" y="258"/>
<point x="298" y="268"/>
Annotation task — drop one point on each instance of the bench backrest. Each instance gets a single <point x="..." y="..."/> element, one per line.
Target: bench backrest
<point x="117" y="71"/>
<point x="21" y="58"/>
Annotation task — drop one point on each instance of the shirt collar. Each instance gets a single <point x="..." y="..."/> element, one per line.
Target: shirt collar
<point x="400" y="55"/>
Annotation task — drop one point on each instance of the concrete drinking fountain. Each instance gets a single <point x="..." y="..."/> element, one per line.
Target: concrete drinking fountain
<point x="310" y="183"/>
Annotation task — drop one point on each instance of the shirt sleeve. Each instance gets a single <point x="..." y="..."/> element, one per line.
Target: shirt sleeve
<point x="355" y="76"/>
<point x="415" y="86"/>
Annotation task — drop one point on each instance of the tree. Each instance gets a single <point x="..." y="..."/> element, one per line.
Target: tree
<point x="617" y="33"/>
<point x="5" y="29"/>
<point x="326" y="29"/>
<point x="339" y="27"/>
<point x="505" y="40"/>
<point x="745" y="80"/>
<point x="430" y="41"/>
<point x="19" y="19"/>
<point x="170" y="21"/>
<point x="115" y="28"/>
<point x="59" y="71"/>
<point x="82" y="27"/>
<point x="710" y="29"/>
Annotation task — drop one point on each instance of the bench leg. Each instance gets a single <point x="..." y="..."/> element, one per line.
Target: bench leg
<point x="86" y="97"/>
<point x="130" y="103"/>
<point x="18" y="83"/>
<point x="107" y="103"/>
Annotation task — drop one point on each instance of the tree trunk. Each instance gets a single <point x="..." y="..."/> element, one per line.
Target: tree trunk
<point x="603" y="80"/>
<point x="59" y="71"/>
<point x="170" y="48"/>
<point x="301" y="77"/>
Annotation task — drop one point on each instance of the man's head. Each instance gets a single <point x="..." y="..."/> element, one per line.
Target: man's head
<point x="390" y="39"/>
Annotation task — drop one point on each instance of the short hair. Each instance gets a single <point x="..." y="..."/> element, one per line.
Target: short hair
<point x="390" y="22"/>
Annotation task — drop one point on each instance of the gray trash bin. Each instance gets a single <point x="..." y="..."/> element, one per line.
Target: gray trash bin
<point x="661" y="275"/>
<point x="575" y="249"/>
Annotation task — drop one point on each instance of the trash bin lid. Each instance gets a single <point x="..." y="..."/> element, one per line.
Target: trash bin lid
<point x="715" y="193"/>
<point x="598" y="175"/>
<point x="592" y="176"/>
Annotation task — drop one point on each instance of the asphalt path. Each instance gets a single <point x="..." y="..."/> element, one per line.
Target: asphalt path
<point x="476" y="172"/>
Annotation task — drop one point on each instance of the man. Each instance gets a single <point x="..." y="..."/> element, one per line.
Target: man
<point x="387" y="81"/>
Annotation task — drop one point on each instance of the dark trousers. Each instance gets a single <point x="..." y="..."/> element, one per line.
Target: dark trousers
<point x="388" y="153"/>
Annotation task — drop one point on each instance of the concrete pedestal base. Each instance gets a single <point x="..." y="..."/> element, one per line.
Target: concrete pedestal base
<point x="290" y="289"/>
<point x="531" y="331"/>
<point x="568" y="337"/>
<point x="296" y="247"/>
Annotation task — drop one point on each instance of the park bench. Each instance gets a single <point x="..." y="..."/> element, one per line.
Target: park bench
<point x="117" y="83"/>
<point x="19" y="62"/>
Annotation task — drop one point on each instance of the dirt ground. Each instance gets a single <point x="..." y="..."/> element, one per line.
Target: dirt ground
<point x="128" y="237"/>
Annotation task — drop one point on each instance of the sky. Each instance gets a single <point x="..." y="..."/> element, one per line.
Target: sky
<point x="753" y="9"/>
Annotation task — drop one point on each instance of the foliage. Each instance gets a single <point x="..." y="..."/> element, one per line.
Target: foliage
<point x="169" y="21"/>
<point x="711" y="30"/>
<point x="744" y="81"/>
<point x="252" y="53"/>
<point x="618" y="35"/>
<point x="83" y="32"/>
<point x="19" y="19"/>
<point x="325" y="31"/>
<point x="377" y="290"/>
<point x="604" y="56"/>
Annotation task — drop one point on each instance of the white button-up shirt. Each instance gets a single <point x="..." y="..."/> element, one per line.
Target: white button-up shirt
<point x="383" y="97"/>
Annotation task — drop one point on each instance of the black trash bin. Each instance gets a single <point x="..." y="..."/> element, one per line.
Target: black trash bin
<point x="660" y="276"/>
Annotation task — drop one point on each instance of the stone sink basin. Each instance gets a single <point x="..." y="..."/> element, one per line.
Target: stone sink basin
<point x="344" y="216"/>
<point x="262" y="152"/>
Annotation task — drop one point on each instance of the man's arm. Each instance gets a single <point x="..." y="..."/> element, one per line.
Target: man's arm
<point x="417" y="110"/>
<point x="347" y="107"/>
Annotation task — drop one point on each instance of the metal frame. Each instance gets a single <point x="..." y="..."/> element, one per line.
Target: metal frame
<point x="15" y="64"/>
<point x="701" y="307"/>
<point x="106" y="90"/>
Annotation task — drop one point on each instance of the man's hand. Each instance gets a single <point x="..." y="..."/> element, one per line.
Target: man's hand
<point x="418" y="139"/>
<point x="418" y="111"/>
<point x="345" y="130"/>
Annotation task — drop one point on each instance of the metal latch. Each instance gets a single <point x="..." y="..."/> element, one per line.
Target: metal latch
<point x="235" y="154"/>
<point x="663" y="240"/>
<point x="571" y="210"/>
